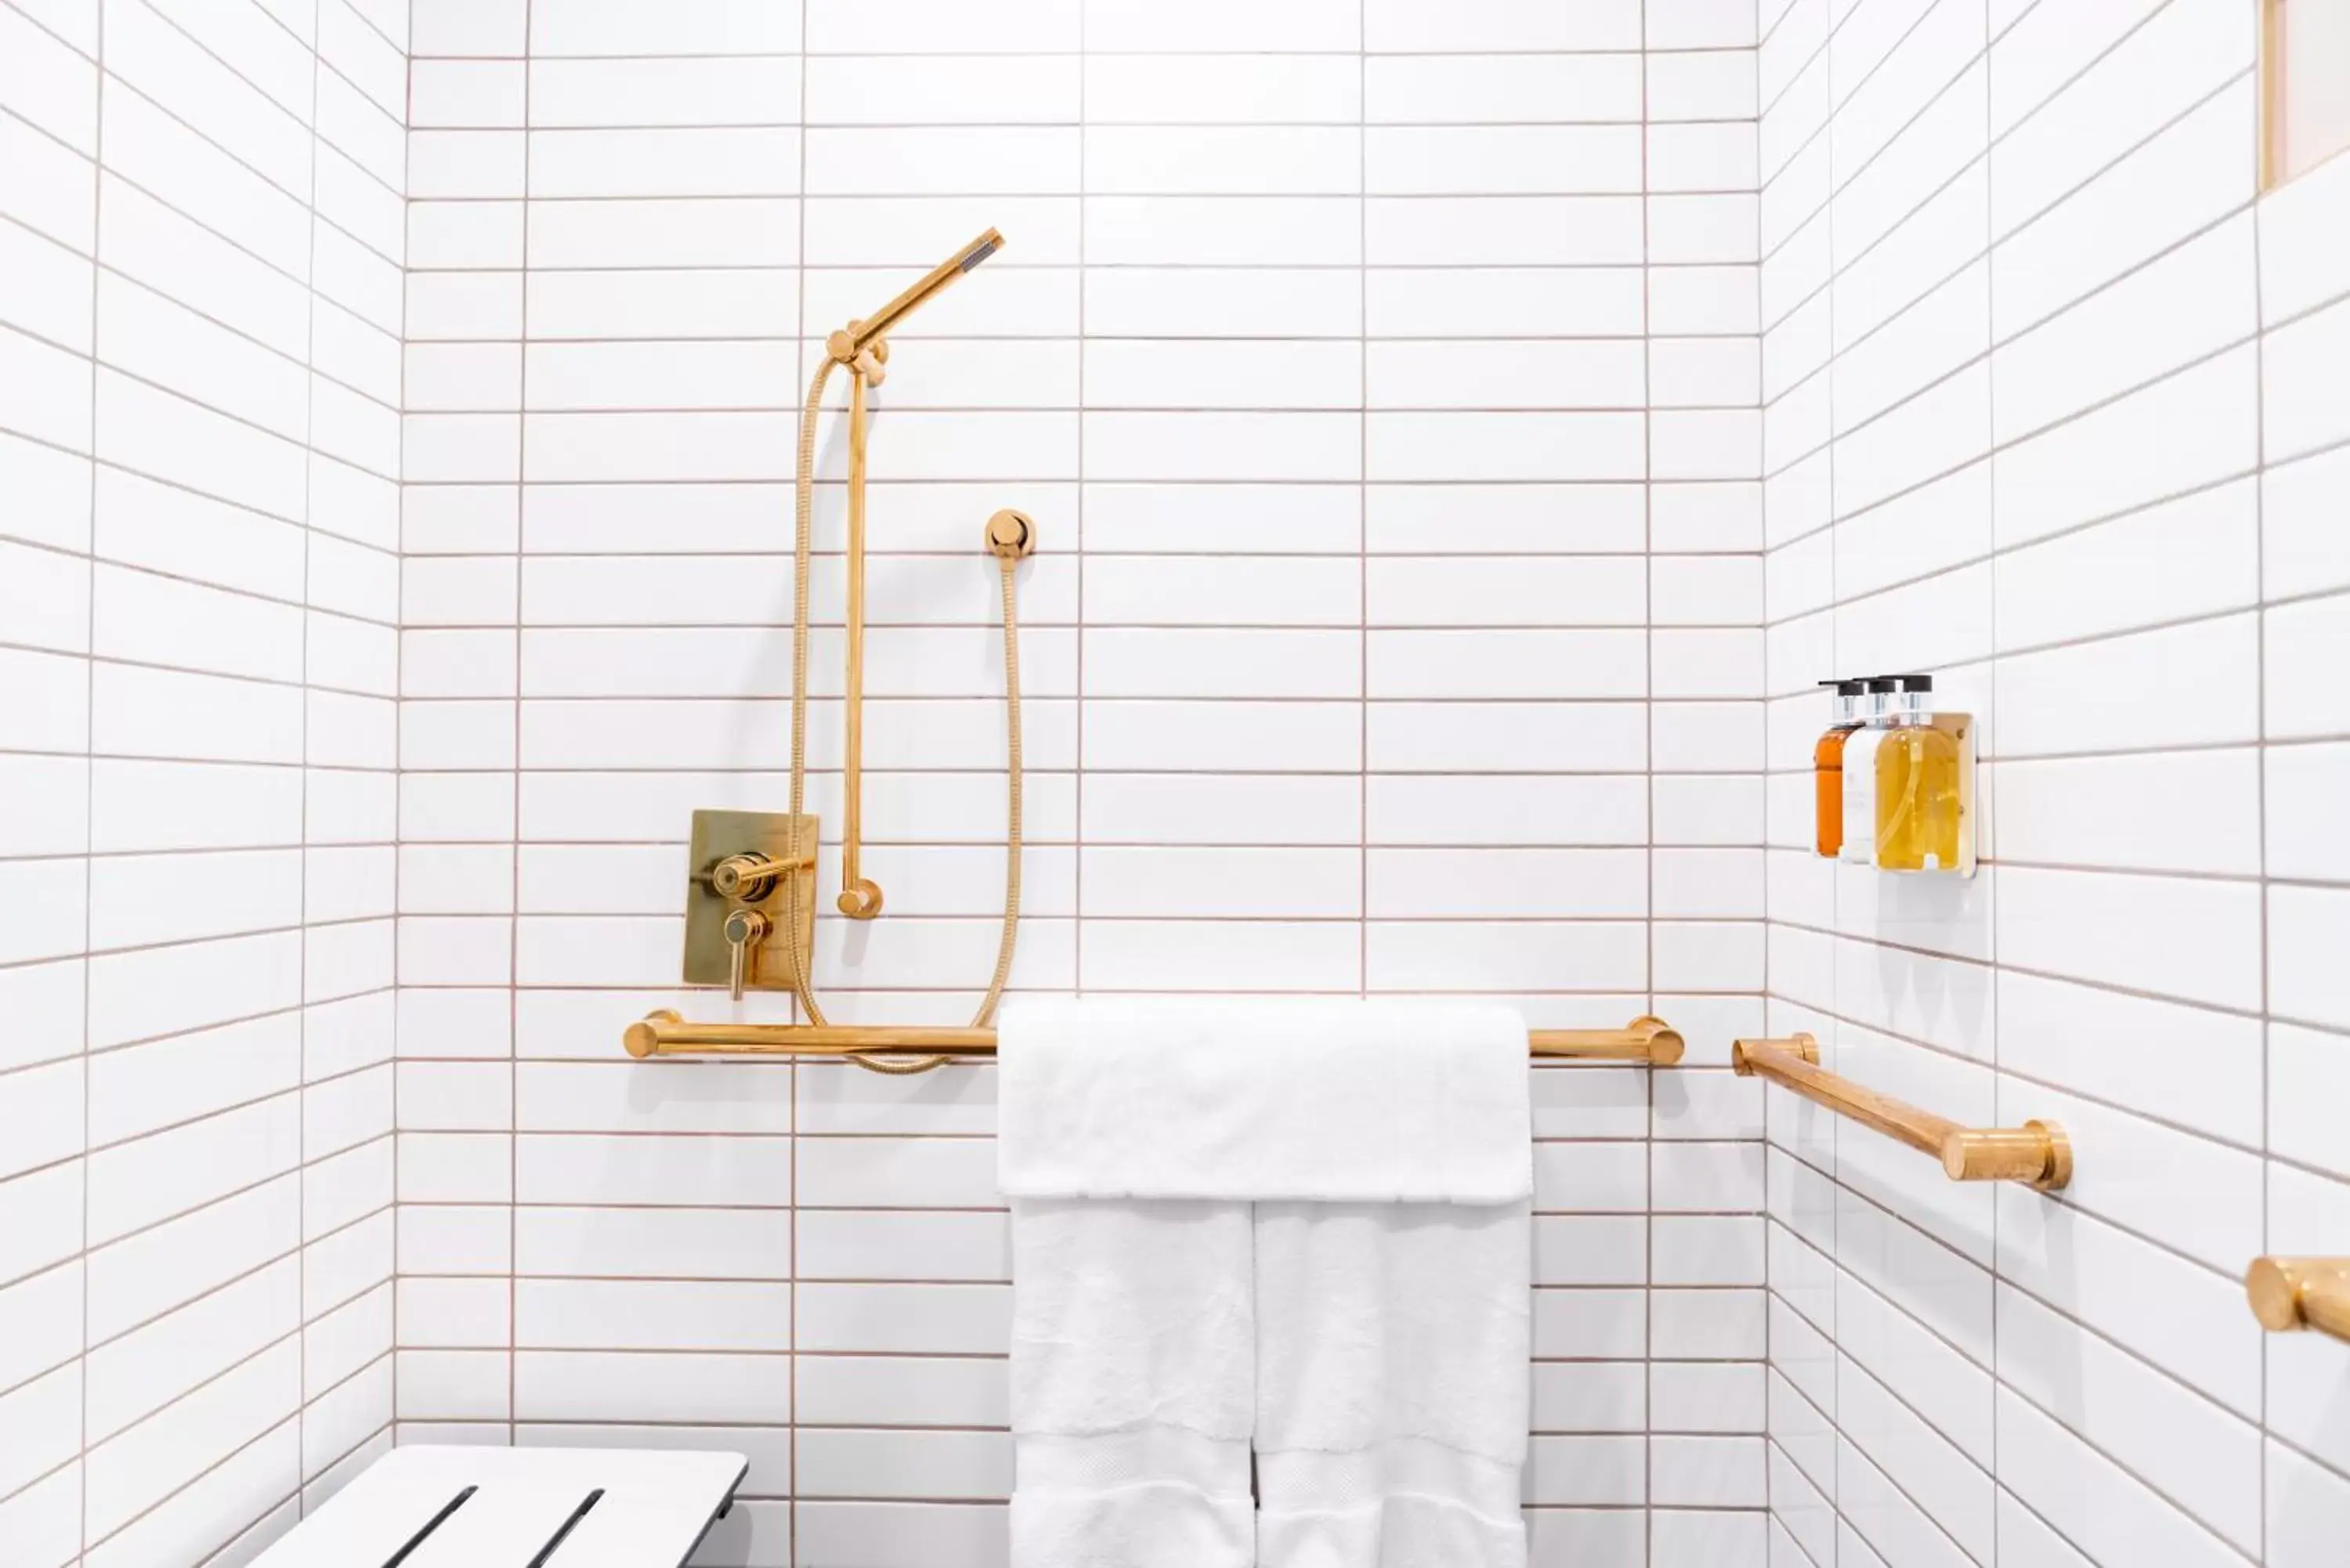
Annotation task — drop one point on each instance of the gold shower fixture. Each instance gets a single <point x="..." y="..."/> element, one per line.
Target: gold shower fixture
<point x="863" y="345"/>
<point x="750" y="904"/>
<point x="869" y="333"/>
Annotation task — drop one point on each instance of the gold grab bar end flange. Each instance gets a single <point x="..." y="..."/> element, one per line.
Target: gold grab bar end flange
<point x="2274" y="1292"/>
<point x="2297" y="1293"/>
<point x="1799" y="1044"/>
<point x="2038" y="1154"/>
<point x="2057" y="1173"/>
<point x="1665" y="1046"/>
<point x="642" y="1038"/>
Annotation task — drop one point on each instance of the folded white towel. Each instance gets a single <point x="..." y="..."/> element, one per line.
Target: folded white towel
<point x="1333" y="1100"/>
<point x="1169" y="1307"/>
<point x="1392" y="1389"/>
<point x="1133" y="1335"/>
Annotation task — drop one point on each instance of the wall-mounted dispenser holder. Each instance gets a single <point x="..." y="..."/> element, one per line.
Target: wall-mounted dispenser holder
<point x="1895" y="780"/>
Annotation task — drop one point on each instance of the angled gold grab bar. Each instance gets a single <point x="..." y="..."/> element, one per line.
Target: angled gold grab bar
<point x="664" y="1033"/>
<point x="2037" y="1152"/>
<point x="2288" y="1293"/>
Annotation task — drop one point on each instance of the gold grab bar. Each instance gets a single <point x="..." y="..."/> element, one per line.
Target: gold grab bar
<point x="2288" y="1293"/>
<point x="2037" y="1152"/>
<point x="664" y="1033"/>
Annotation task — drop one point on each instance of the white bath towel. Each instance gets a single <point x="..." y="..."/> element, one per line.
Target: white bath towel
<point x="1197" y="1275"/>
<point x="1393" y="1344"/>
<point x="1133" y="1382"/>
<point x="1329" y="1100"/>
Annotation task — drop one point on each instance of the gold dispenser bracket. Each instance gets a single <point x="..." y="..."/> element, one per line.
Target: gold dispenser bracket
<point x="664" y="1033"/>
<point x="2037" y="1153"/>
<point x="2289" y="1293"/>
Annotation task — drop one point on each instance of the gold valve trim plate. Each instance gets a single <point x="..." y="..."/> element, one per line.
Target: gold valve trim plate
<point x="736" y="863"/>
<point x="664" y="1033"/>
<point x="2037" y="1153"/>
<point x="2289" y="1293"/>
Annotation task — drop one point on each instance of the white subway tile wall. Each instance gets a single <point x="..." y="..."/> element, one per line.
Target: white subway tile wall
<point x="2056" y="409"/>
<point x="1386" y="383"/>
<point x="200" y="254"/>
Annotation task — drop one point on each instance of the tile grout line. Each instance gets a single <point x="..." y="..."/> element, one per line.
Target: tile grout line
<point x="514" y="848"/>
<point x="302" y="903"/>
<point x="1363" y="499"/>
<point x="1648" y="793"/>
<point x="2259" y="803"/>
<point x="802" y="373"/>
<point x="89" y="810"/>
<point x="399" y="696"/>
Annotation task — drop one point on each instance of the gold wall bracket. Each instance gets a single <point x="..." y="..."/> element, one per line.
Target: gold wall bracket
<point x="1011" y="535"/>
<point x="2037" y="1153"/>
<point x="740" y="892"/>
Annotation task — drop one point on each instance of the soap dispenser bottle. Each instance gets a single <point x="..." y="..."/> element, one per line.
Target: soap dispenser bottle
<point x="1918" y="805"/>
<point x="1860" y="747"/>
<point x="1827" y="766"/>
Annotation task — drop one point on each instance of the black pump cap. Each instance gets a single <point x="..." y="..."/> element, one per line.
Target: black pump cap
<point x="1848" y="688"/>
<point x="1916" y="683"/>
<point x="1884" y="683"/>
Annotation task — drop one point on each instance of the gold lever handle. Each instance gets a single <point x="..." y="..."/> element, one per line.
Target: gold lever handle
<point x="745" y="928"/>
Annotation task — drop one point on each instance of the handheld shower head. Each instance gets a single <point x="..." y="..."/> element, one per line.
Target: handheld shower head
<point x="856" y="339"/>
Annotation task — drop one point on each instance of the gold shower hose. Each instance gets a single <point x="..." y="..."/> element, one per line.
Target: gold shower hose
<point x="1006" y="559"/>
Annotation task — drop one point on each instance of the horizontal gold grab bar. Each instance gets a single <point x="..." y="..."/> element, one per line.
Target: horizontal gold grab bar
<point x="664" y="1033"/>
<point x="2037" y="1152"/>
<point x="2301" y="1293"/>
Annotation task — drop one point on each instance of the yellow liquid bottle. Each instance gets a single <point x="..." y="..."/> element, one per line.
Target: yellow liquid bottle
<point x="1918" y="802"/>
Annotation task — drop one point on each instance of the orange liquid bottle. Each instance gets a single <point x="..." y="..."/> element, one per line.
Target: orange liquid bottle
<point x="1827" y="766"/>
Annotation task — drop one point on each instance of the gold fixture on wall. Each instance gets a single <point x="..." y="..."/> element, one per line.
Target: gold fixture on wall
<point x="751" y="900"/>
<point x="2037" y="1152"/>
<point x="863" y="346"/>
<point x="751" y="907"/>
<point x="747" y="869"/>
<point x="664" y="1033"/>
<point x="2290" y="1293"/>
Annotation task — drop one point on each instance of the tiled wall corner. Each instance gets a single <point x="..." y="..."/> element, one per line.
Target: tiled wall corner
<point x="200" y="327"/>
<point x="2054" y="408"/>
